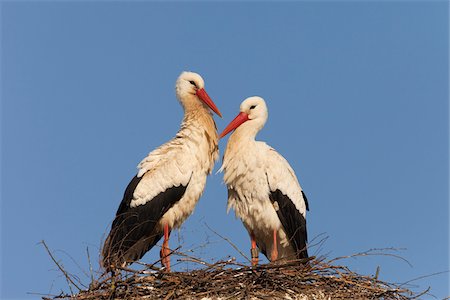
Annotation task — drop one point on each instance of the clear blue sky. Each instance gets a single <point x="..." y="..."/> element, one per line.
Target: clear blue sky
<point x="358" y="104"/>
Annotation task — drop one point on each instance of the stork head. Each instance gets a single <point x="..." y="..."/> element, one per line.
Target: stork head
<point x="253" y="115"/>
<point x="191" y="87"/>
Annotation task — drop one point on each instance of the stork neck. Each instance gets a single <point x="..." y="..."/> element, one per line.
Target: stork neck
<point x="192" y="105"/>
<point x="194" y="112"/>
<point x="246" y="132"/>
<point x="240" y="142"/>
<point x="198" y="118"/>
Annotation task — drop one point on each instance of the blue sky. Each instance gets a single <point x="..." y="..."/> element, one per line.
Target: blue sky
<point x="358" y="103"/>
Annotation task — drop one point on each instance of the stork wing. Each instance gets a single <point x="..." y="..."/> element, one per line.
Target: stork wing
<point x="288" y="199"/>
<point x="146" y="199"/>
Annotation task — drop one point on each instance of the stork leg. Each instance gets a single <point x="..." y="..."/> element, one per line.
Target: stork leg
<point x="165" y="251"/>
<point x="274" y="254"/>
<point x="254" y="250"/>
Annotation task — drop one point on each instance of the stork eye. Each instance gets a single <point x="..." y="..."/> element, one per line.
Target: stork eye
<point x="193" y="83"/>
<point x="252" y="107"/>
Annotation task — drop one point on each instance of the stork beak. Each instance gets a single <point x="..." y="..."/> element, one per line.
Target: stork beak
<point x="201" y="93"/>
<point x="240" y="118"/>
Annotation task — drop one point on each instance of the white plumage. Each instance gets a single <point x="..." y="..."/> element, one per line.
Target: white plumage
<point x="169" y="182"/>
<point x="263" y="189"/>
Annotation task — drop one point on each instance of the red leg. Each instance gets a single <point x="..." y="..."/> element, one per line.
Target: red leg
<point x="165" y="251"/>
<point x="274" y="254"/>
<point x="254" y="250"/>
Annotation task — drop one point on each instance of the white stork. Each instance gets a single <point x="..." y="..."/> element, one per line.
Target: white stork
<point x="263" y="189"/>
<point x="169" y="181"/>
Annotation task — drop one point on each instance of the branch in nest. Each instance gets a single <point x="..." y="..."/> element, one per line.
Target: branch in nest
<point x="66" y="275"/>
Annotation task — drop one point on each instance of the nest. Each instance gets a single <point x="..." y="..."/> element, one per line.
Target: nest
<point x="313" y="278"/>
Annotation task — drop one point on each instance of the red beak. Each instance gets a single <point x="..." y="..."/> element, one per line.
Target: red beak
<point x="201" y="93"/>
<point x="240" y="118"/>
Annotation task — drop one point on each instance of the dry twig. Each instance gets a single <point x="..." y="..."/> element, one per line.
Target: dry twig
<point x="66" y="275"/>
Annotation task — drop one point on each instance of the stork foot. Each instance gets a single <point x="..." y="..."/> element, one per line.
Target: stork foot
<point x="274" y="254"/>
<point x="254" y="251"/>
<point x="255" y="258"/>
<point x="165" y="258"/>
<point x="165" y="251"/>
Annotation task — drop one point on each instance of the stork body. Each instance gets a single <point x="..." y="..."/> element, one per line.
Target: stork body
<point x="263" y="189"/>
<point x="169" y="182"/>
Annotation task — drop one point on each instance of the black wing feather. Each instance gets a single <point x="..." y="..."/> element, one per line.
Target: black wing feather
<point x="134" y="231"/>
<point x="306" y="201"/>
<point x="294" y="223"/>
